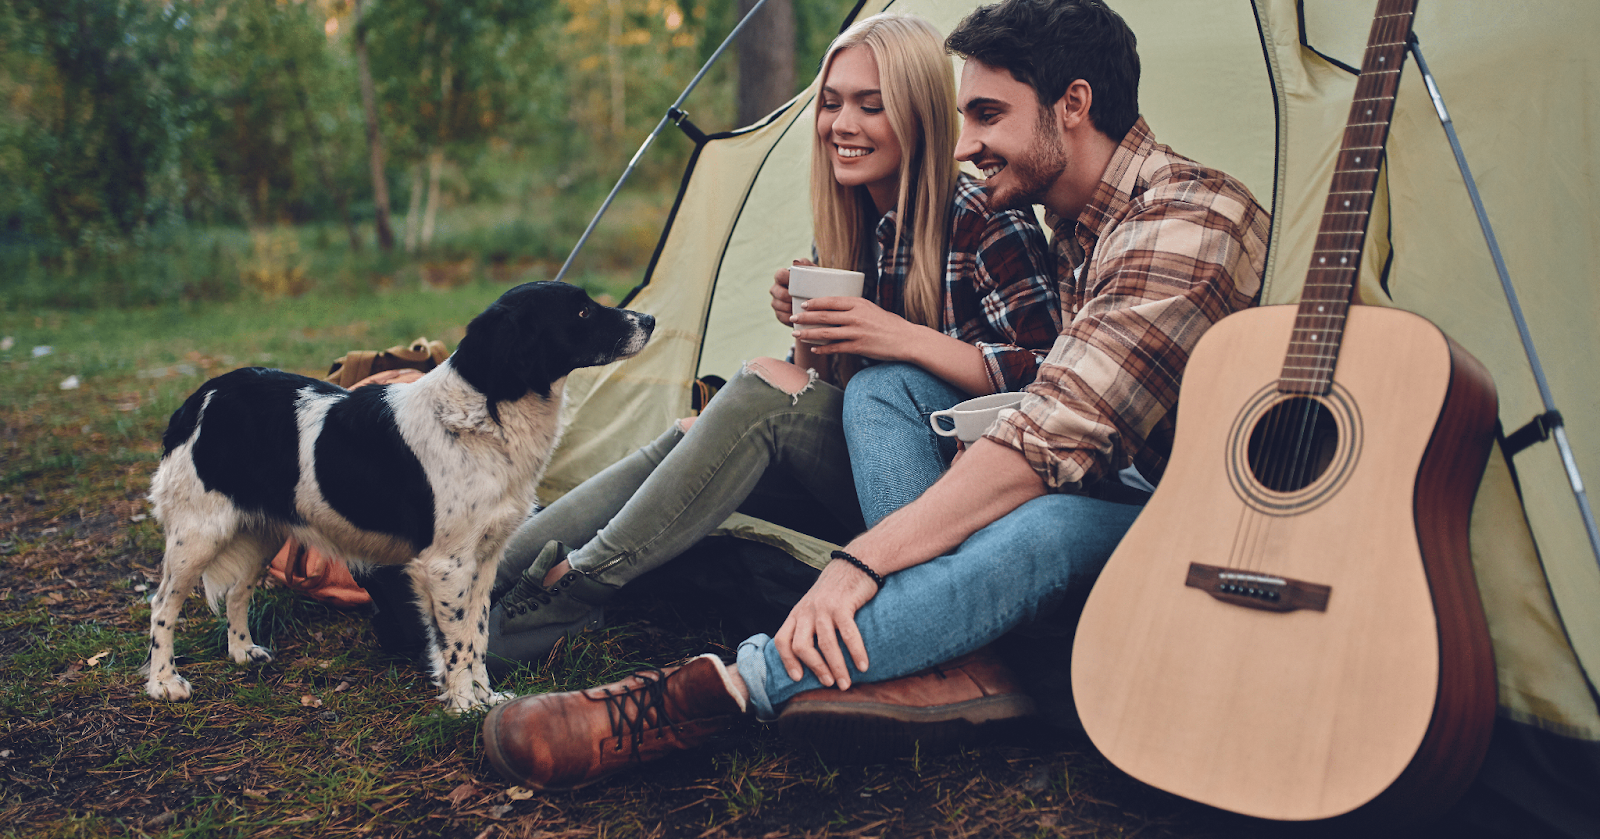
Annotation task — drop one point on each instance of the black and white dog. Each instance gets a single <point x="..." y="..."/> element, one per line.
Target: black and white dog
<point x="435" y="474"/>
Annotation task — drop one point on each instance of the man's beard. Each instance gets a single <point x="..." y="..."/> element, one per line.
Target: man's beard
<point x="1035" y="174"/>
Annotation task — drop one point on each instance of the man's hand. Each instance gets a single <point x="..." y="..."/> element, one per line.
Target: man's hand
<point x="990" y="481"/>
<point x="811" y="633"/>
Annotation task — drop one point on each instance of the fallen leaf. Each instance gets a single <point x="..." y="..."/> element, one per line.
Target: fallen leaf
<point x="519" y="793"/>
<point x="341" y="687"/>
<point x="258" y="794"/>
<point x="94" y="660"/>
<point x="310" y="701"/>
<point x="462" y="793"/>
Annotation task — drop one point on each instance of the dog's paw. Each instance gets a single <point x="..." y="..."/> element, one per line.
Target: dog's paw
<point x="253" y="654"/>
<point x="495" y="697"/>
<point x="168" y="690"/>
<point x="462" y="705"/>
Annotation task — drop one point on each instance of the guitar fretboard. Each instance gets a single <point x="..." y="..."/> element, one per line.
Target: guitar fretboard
<point x="1331" y="281"/>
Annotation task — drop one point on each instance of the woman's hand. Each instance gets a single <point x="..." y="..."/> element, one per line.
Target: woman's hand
<point x="857" y="325"/>
<point x="782" y="303"/>
<point x="827" y="613"/>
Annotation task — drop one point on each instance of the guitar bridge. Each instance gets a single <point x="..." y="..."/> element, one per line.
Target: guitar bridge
<point x="1256" y="590"/>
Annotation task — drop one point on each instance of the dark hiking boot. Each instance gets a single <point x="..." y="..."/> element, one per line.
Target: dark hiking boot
<point x="559" y="741"/>
<point x="526" y="623"/>
<point x="930" y="712"/>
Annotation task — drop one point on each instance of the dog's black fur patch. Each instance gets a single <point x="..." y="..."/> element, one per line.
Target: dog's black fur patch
<point x="252" y="404"/>
<point x="369" y="474"/>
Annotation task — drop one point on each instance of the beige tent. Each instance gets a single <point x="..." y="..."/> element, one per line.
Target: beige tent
<point x="1261" y="90"/>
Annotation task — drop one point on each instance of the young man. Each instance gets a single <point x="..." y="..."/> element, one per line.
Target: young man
<point x="1152" y="249"/>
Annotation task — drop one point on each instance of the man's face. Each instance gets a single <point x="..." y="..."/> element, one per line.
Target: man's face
<point x="1005" y="133"/>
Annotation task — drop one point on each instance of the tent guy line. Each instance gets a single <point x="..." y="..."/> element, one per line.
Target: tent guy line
<point x="675" y="114"/>
<point x="1549" y="423"/>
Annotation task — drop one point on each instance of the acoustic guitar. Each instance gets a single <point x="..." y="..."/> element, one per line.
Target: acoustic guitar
<point x="1291" y="629"/>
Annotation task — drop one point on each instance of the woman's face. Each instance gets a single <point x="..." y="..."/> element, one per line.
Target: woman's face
<point x="855" y="130"/>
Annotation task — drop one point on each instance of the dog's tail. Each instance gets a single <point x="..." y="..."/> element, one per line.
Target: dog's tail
<point x="240" y="563"/>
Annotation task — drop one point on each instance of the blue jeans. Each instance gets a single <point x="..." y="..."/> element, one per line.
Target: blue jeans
<point x="1012" y="572"/>
<point x="894" y="454"/>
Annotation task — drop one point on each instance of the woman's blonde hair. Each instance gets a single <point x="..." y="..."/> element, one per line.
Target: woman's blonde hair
<point x="919" y="94"/>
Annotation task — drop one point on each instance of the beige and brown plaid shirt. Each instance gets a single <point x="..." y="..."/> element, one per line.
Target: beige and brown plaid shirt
<point x="1164" y="249"/>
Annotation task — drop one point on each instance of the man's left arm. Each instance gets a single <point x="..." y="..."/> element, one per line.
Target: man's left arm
<point x="1158" y="281"/>
<point x="984" y="484"/>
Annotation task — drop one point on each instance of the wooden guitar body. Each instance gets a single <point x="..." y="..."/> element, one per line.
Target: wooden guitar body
<point x="1292" y="645"/>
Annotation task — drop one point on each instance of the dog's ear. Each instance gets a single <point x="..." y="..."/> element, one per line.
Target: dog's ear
<point x="483" y="359"/>
<point x="522" y="343"/>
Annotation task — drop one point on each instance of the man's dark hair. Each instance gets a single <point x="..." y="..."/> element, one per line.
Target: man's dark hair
<point x="1047" y="44"/>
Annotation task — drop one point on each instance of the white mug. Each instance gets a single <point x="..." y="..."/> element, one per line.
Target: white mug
<point x="971" y="418"/>
<point x="808" y="281"/>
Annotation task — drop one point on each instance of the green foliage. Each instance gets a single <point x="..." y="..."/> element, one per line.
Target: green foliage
<point x="101" y="95"/>
<point x="138" y="137"/>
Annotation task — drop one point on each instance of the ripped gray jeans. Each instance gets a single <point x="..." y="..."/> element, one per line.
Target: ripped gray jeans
<point x="755" y="445"/>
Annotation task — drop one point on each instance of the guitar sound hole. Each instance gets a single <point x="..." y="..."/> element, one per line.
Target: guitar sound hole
<point x="1293" y="444"/>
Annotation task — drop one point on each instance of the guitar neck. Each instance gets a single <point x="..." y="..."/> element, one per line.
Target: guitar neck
<point x="1331" y="281"/>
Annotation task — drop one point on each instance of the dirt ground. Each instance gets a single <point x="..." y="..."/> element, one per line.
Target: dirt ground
<point x="84" y="753"/>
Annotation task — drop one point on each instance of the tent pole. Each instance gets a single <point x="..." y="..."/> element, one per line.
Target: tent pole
<point x="1556" y="428"/>
<point x="674" y="115"/>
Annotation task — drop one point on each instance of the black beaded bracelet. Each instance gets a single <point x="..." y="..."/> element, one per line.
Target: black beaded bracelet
<point x="876" y="578"/>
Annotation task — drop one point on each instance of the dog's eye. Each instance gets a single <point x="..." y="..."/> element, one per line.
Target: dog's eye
<point x="585" y="311"/>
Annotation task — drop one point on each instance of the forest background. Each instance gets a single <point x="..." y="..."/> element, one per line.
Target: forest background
<point x="156" y="152"/>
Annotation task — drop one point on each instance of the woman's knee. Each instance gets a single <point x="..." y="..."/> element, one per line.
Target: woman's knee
<point x="781" y="374"/>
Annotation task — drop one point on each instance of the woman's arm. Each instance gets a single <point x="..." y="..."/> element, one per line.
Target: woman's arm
<point x="1001" y="295"/>
<point x="858" y="326"/>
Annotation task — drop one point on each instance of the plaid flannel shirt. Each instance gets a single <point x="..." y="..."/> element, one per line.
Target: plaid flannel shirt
<point x="1000" y="289"/>
<point x="1164" y="249"/>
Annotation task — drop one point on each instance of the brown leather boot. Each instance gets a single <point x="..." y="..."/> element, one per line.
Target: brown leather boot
<point x="939" y="708"/>
<point x="558" y="741"/>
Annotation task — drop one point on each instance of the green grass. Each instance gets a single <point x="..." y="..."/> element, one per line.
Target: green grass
<point x="333" y="738"/>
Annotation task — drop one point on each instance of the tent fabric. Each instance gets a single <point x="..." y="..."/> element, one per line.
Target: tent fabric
<point x="1260" y="90"/>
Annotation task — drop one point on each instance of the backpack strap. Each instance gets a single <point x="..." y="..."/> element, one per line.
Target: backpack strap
<point x="421" y="354"/>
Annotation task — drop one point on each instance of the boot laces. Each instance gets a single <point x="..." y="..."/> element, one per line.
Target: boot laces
<point x="525" y="596"/>
<point x="630" y="708"/>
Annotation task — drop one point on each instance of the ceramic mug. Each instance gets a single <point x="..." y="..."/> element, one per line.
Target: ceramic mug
<point x="808" y="281"/>
<point x="968" y="420"/>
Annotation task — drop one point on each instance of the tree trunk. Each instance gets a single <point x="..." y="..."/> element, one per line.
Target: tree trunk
<point x="766" y="59"/>
<point x="369" y="105"/>
<point x="436" y="156"/>
<point x="319" y="151"/>
<point x="619" y="109"/>
<point x="414" y="209"/>
<point x="435" y="166"/>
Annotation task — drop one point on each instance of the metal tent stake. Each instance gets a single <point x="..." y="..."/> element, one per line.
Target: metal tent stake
<point x="674" y="115"/>
<point x="1549" y="424"/>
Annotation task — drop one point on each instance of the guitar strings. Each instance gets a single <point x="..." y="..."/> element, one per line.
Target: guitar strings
<point x="1287" y="457"/>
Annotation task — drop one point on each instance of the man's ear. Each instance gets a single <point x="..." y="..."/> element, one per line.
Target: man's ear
<point x="1072" y="109"/>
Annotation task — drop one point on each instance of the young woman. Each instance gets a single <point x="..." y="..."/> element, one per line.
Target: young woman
<point x="964" y="293"/>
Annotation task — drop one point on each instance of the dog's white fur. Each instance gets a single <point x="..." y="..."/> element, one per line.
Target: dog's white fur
<point x="490" y="471"/>
<point x="482" y="463"/>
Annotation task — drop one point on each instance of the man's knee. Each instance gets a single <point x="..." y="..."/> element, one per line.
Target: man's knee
<point x="893" y="387"/>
